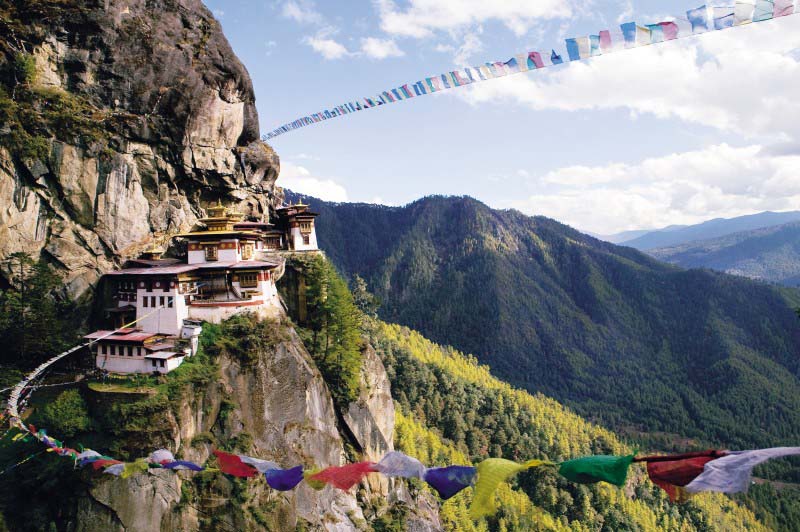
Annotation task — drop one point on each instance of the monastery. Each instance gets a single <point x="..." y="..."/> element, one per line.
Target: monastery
<point x="231" y="266"/>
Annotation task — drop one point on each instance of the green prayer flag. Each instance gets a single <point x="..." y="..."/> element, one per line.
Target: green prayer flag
<point x="591" y="469"/>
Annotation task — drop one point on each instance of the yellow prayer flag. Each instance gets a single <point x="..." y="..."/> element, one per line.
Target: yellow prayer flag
<point x="492" y="472"/>
<point x="139" y="466"/>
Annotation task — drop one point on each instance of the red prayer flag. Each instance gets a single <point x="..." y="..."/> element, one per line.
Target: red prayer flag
<point x="346" y="476"/>
<point x="97" y="464"/>
<point x="672" y="475"/>
<point x="231" y="464"/>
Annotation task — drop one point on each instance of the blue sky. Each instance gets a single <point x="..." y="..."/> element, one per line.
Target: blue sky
<point x="670" y="134"/>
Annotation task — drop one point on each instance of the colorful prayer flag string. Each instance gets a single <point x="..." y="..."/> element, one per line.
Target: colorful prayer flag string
<point x="631" y="35"/>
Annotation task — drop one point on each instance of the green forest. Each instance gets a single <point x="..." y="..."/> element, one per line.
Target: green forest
<point x="668" y="356"/>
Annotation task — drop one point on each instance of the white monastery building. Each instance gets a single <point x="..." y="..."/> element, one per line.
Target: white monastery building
<point x="232" y="266"/>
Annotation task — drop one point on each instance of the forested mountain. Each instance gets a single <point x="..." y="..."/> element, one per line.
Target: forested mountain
<point x="678" y="234"/>
<point x="636" y="344"/>
<point x="771" y="254"/>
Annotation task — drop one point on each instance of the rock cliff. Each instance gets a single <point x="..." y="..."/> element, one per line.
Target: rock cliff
<point x="277" y="408"/>
<point x="119" y="121"/>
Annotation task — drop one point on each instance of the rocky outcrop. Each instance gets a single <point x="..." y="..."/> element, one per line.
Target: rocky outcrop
<point x="139" y="113"/>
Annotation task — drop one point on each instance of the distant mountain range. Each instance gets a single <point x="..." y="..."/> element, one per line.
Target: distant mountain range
<point x="770" y="254"/>
<point x="681" y="234"/>
<point x="627" y="340"/>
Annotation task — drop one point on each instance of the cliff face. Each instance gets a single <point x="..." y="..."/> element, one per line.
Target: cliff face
<point x="279" y="409"/>
<point x="119" y="120"/>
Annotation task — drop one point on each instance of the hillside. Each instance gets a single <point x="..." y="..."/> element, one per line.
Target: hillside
<point x="677" y="235"/>
<point x="633" y="343"/>
<point x="451" y="408"/>
<point x="770" y="254"/>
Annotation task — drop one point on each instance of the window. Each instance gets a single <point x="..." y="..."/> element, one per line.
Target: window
<point x="153" y="362"/>
<point x="130" y="350"/>
<point x="161" y="363"/>
<point x="211" y="252"/>
<point x="170" y="302"/>
<point x="305" y="227"/>
<point x="248" y="280"/>
<point x="306" y="240"/>
<point x="247" y="251"/>
<point x="144" y="301"/>
<point x="161" y="301"/>
<point x="104" y="349"/>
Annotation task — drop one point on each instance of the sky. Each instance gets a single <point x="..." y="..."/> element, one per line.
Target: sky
<point x="675" y="133"/>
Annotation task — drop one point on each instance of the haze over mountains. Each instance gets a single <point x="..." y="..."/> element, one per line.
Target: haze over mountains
<point x="770" y="254"/>
<point x="681" y="234"/>
<point x="625" y="339"/>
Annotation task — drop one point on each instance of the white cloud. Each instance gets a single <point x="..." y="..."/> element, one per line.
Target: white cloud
<point x="470" y="46"/>
<point x="270" y="46"/>
<point x="380" y="48"/>
<point x="627" y="12"/>
<point x="299" y="179"/>
<point x="328" y="48"/>
<point x="740" y="80"/>
<point x="302" y="11"/>
<point x="421" y="18"/>
<point x="218" y="13"/>
<point x="680" y="188"/>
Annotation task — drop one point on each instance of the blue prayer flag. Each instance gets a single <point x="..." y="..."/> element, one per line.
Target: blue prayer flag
<point x="629" y="33"/>
<point x="447" y="481"/>
<point x="572" y="50"/>
<point x="698" y="18"/>
<point x="555" y="58"/>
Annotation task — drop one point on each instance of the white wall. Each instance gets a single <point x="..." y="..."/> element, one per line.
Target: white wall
<point x="297" y="239"/>
<point x="166" y="320"/>
<point x="196" y="256"/>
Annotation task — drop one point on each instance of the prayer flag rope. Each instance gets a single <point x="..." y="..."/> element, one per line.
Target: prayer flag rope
<point x="680" y="476"/>
<point x="630" y="35"/>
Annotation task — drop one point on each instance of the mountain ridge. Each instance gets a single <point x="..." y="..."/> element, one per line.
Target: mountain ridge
<point x="674" y="235"/>
<point x="553" y="310"/>
<point x="770" y="254"/>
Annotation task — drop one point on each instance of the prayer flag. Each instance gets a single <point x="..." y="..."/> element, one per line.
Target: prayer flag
<point x="555" y="58"/>
<point x="115" y="469"/>
<point x="396" y="94"/>
<point x="139" y="466"/>
<point x="656" y="33"/>
<point x="743" y="12"/>
<point x="723" y="17"/>
<point x="643" y="36"/>
<point x="670" y="30"/>
<point x="499" y="69"/>
<point x="511" y="65"/>
<point x="419" y="88"/>
<point x="591" y="469"/>
<point x="284" y="479"/>
<point x="783" y="8"/>
<point x="605" y="41"/>
<point x="584" y="48"/>
<point x="673" y="475"/>
<point x="491" y="473"/>
<point x="346" y="476"/>
<point x="182" y="465"/>
<point x="629" y="33"/>
<point x="486" y="71"/>
<point x="260" y="465"/>
<point x="397" y="464"/>
<point x="406" y="92"/>
<point x="764" y="10"/>
<point x="523" y="62"/>
<point x="231" y="464"/>
<point x="698" y="17"/>
<point x="572" y="50"/>
<point x="97" y="464"/>
<point x="445" y="81"/>
<point x="447" y="481"/>
<point x="431" y="86"/>
<point x="535" y="60"/>
<point x="732" y="473"/>
<point x="161" y="455"/>
<point x="594" y="45"/>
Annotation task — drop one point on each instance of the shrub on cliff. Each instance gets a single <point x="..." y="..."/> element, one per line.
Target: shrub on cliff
<point x="67" y="415"/>
<point x="333" y="335"/>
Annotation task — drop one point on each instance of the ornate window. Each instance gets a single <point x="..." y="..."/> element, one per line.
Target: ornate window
<point x="211" y="252"/>
<point x="247" y="251"/>
<point x="248" y="280"/>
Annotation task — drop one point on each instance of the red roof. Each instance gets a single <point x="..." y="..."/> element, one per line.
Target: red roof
<point x="156" y="270"/>
<point x="123" y="335"/>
